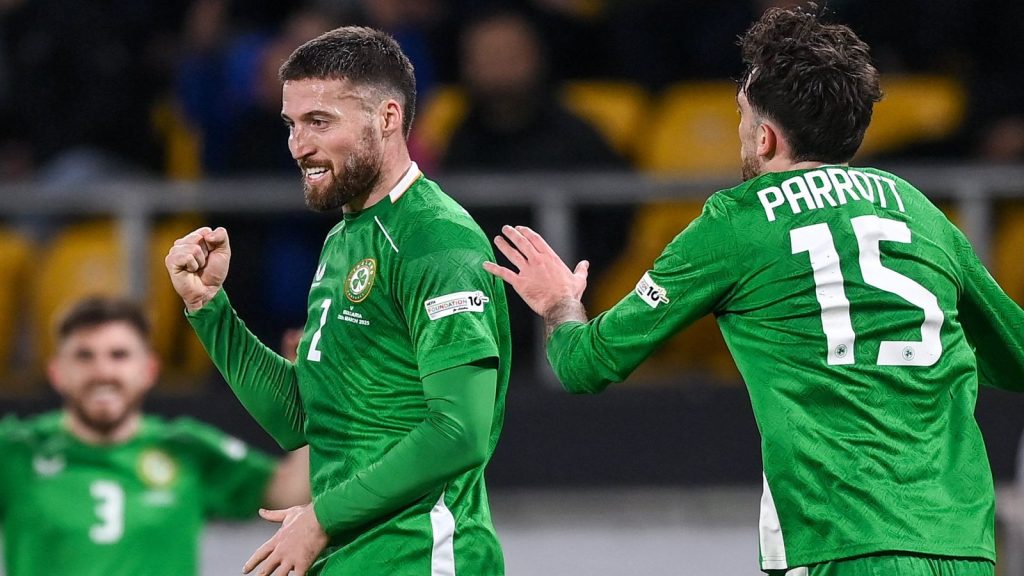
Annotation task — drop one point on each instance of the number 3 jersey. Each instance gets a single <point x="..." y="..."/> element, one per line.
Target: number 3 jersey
<point x="860" y="320"/>
<point x="132" y="508"/>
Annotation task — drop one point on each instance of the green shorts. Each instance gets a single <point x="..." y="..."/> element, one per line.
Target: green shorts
<point x="901" y="564"/>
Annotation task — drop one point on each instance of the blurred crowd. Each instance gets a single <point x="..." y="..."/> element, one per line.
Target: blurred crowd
<point x="92" y="90"/>
<point x="188" y="88"/>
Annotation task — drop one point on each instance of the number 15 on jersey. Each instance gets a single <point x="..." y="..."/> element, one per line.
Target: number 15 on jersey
<point x="829" y="288"/>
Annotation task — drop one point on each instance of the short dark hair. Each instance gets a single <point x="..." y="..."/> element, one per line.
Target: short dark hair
<point x="97" y="311"/>
<point x="815" y="80"/>
<point x="361" y="55"/>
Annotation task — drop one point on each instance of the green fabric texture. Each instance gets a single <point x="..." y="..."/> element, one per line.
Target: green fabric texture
<point x="450" y="440"/>
<point x="903" y="565"/>
<point x="264" y="381"/>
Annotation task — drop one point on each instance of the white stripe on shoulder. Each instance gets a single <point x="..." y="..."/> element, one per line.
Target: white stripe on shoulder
<point x="442" y="557"/>
<point x="337" y="229"/>
<point x="405" y="182"/>
<point x="385" y="231"/>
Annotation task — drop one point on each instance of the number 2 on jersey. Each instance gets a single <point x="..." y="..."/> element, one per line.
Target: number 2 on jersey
<point x="870" y="231"/>
<point x="314" y="354"/>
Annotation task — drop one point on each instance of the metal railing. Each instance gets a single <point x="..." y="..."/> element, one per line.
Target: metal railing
<point x="553" y="199"/>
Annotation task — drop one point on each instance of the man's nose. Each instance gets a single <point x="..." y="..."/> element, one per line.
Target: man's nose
<point x="105" y="367"/>
<point x="299" y="144"/>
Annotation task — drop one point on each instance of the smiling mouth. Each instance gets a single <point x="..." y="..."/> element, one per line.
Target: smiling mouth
<point x="315" y="173"/>
<point x="105" y="391"/>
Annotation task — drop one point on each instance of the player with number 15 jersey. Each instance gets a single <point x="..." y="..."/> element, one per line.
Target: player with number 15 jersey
<point x="837" y="291"/>
<point x="859" y="317"/>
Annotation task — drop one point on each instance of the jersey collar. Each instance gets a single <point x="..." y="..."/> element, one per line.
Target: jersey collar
<point x="410" y="176"/>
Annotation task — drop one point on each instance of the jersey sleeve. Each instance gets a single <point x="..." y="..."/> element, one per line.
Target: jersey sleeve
<point x="447" y="299"/>
<point x="690" y="279"/>
<point x="234" y="475"/>
<point x="264" y="381"/>
<point x="992" y="322"/>
<point x="451" y="439"/>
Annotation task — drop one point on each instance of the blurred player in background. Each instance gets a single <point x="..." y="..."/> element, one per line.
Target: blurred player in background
<point x="399" y="386"/>
<point x="99" y="488"/>
<point x="859" y="317"/>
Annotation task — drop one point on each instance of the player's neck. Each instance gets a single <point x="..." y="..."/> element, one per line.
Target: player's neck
<point x="396" y="164"/>
<point x="123" y="432"/>
<point x="780" y="164"/>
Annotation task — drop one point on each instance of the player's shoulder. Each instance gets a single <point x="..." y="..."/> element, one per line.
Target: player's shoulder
<point x="189" y="434"/>
<point x="427" y="198"/>
<point x="909" y="198"/>
<point x="32" y="430"/>
<point x="434" y="222"/>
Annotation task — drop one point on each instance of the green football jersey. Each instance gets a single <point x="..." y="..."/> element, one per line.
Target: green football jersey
<point x="850" y="305"/>
<point x="400" y="294"/>
<point x="132" y="509"/>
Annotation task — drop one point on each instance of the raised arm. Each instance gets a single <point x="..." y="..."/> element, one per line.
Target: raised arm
<point x="264" y="381"/>
<point x="686" y="282"/>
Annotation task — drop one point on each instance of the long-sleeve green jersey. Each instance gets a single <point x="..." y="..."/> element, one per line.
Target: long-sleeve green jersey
<point x="862" y="322"/>
<point x="133" y="508"/>
<point x="398" y="388"/>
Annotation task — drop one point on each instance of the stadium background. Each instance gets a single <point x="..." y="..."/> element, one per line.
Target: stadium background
<point x="126" y="122"/>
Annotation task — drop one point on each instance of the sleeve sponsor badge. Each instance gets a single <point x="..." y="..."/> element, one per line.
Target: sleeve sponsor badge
<point x="455" y="303"/>
<point x="650" y="292"/>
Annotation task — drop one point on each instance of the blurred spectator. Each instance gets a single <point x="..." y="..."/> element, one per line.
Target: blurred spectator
<point x="258" y="140"/>
<point x="215" y="75"/>
<point x="907" y="36"/>
<point x="658" y="42"/>
<point x="515" y="121"/>
<point x="84" y="75"/>
<point x="410" y="22"/>
<point x="996" y="36"/>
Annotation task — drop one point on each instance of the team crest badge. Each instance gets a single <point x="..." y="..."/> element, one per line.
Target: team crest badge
<point x="360" y="279"/>
<point x="157" y="469"/>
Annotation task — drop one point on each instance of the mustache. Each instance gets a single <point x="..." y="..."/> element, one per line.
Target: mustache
<point x="305" y="165"/>
<point x="93" y="384"/>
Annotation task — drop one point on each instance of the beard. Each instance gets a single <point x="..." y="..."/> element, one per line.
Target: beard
<point x="751" y="168"/>
<point x="360" y="175"/>
<point x="103" y="421"/>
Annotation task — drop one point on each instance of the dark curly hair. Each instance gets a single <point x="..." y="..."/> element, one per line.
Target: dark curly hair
<point x="815" y="80"/>
<point x="364" y="57"/>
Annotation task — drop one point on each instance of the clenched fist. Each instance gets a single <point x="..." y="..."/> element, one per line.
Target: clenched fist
<point x="198" y="264"/>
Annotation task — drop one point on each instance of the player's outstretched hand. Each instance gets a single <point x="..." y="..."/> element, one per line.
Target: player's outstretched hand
<point x="294" y="547"/>
<point x="543" y="279"/>
<point x="198" y="265"/>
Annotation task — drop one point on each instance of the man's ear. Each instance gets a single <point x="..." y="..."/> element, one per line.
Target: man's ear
<point x="768" y="140"/>
<point x="152" y="370"/>
<point x="390" y="117"/>
<point x="53" y="373"/>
